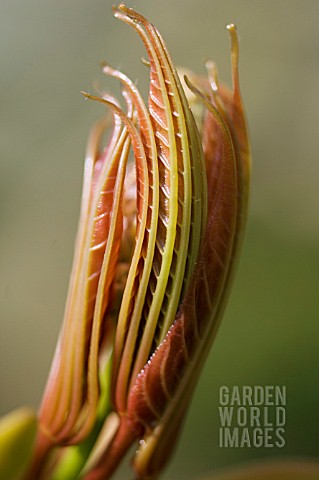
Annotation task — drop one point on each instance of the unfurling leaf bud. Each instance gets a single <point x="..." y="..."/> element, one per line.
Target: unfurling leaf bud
<point x="154" y="260"/>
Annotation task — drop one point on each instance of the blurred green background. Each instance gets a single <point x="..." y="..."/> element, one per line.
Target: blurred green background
<point x="50" y="52"/>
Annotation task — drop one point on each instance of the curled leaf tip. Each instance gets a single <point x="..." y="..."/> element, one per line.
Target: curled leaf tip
<point x="232" y="29"/>
<point x="103" y="64"/>
<point x="145" y="62"/>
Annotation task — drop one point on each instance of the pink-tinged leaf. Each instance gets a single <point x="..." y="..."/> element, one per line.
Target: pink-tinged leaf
<point x="141" y="261"/>
<point x="97" y="250"/>
<point x="141" y="331"/>
<point x="169" y="377"/>
<point x="232" y="110"/>
<point x="210" y="271"/>
<point x="164" y="387"/>
<point x="181" y="197"/>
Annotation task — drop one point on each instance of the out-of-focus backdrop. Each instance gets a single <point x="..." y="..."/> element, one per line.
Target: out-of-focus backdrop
<point x="270" y="334"/>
